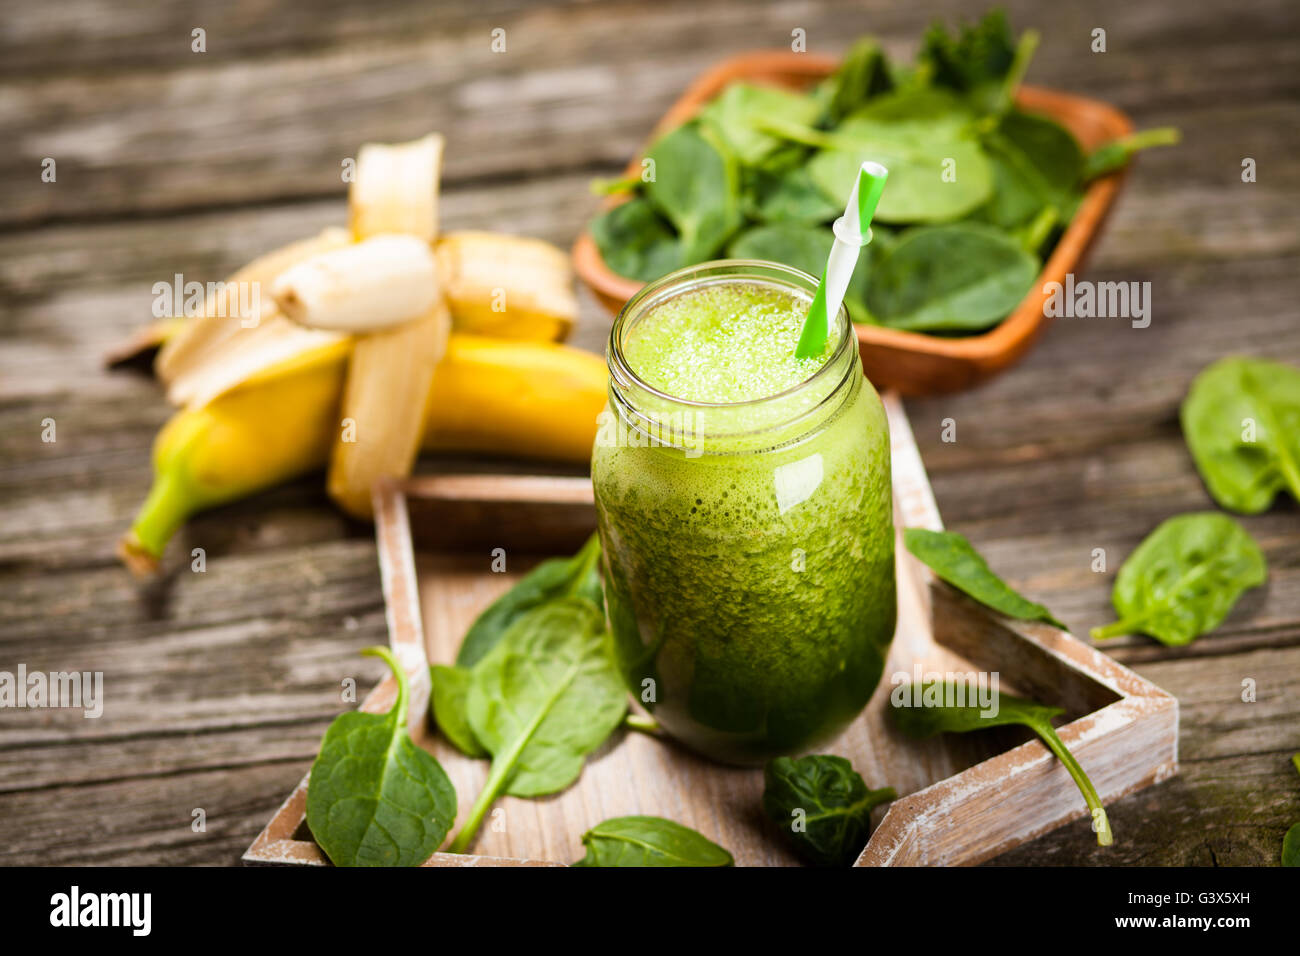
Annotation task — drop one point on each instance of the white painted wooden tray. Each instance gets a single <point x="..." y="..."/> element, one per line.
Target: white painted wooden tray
<point x="963" y="798"/>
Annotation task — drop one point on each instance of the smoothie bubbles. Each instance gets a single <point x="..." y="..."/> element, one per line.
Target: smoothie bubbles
<point x="742" y="485"/>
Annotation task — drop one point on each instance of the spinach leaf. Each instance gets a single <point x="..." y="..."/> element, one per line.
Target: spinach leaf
<point x="917" y="191"/>
<point x="951" y="557"/>
<point x="1184" y="578"/>
<point x="374" y="798"/>
<point x="1037" y="164"/>
<point x="636" y="242"/>
<point x="1241" y="420"/>
<point x="933" y="709"/>
<point x="1116" y="154"/>
<point x="695" y="186"/>
<point x="961" y="277"/>
<point x="805" y="248"/>
<point x="910" y="115"/>
<point x="862" y="74"/>
<point x="578" y="576"/>
<point x="547" y="695"/>
<point x="937" y="170"/>
<point x="788" y="197"/>
<point x="822" y="805"/>
<point x="978" y="60"/>
<point x="649" y="841"/>
<point x="1049" y="147"/>
<point x="788" y="157"/>
<point x="1291" y="842"/>
<point x="447" y="705"/>
<point x="734" y="118"/>
<point x="1019" y="192"/>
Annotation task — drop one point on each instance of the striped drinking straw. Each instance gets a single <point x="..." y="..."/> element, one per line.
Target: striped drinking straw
<point x="852" y="232"/>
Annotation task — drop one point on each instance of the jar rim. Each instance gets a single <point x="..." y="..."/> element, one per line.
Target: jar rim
<point x="733" y="269"/>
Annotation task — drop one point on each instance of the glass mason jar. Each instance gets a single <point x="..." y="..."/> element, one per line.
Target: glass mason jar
<point x="748" y="547"/>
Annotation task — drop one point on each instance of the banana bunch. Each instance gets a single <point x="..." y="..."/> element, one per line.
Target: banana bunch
<point x="375" y="342"/>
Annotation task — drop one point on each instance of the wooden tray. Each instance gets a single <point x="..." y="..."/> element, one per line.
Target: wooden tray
<point x="965" y="798"/>
<point x="912" y="363"/>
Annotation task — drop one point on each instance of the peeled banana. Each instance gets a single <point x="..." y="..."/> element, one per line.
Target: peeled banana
<point x="369" y="285"/>
<point x="527" y="399"/>
<point x="495" y="284"/>
<point x="205" y="338"/>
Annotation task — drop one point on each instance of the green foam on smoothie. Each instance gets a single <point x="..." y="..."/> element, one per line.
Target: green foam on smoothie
<point x="724" y="342"/>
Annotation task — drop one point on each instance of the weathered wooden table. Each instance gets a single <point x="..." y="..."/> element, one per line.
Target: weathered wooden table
<point x="220" y="684"/>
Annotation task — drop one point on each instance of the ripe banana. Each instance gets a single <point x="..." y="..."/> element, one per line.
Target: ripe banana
<point x="528" y="399"/>
<point x="498" y="285"/>
<point x="525" y="399"/>
<point x="508" y="286"/>
<point x="206" y="338"/>
<point x="369" y="285"/>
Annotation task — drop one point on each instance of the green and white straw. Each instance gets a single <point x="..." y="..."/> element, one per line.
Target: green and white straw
<point x="852" y="232"/>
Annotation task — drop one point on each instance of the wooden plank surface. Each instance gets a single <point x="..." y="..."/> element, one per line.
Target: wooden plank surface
<point x="219" y="685"/>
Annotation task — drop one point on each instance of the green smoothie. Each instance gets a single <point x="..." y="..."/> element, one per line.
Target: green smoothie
<point x="749" y="565"/>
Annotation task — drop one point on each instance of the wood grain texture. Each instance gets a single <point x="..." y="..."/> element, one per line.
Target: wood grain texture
<point x="220" y="684"/>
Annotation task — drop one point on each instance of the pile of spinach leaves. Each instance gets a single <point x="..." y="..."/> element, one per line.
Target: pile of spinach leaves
<point x="979" y="191"/>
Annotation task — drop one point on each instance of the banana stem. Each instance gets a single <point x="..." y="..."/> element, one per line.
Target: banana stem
<point x="161" y="515"/>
